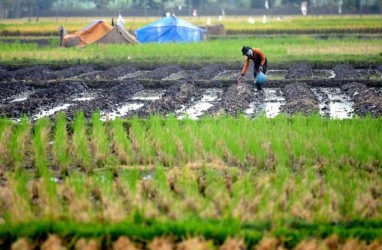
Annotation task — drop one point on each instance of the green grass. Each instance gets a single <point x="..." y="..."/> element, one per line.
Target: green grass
<point x="280" y="51"/>
<point x="292" y="178"/>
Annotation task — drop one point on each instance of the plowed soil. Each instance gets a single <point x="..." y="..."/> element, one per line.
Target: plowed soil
<point x="33" y="90"/>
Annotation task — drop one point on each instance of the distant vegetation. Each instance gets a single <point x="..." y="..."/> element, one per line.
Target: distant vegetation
<point x="275" y="25"/>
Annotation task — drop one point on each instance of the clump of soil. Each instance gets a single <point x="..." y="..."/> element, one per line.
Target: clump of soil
<point x="299" y="71"/>
<point x="366" y="102"/>
<point x="34" y="73"/>
<point x="8" y="89"/>
<point x="5" y="75"/>
<point x="110" y="74"/>
<point x="379" y="68"/>
<point x="60" y="91"/>
<point x="163" y="72"/>
<point x="345" y="71"/>
<point x="236" y="99"/>
<point x="208" y="72"/>
<point x="173" y="99"/>
<point x="299" y="99"/>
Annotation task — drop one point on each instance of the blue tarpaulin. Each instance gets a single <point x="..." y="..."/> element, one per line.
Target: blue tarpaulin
<point x="169" y="29"/>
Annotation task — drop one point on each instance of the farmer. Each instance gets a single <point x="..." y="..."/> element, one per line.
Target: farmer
<point x="259" y="59"/>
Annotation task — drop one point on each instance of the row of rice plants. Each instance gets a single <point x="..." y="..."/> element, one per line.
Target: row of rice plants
<point x="264" y="143"/>
<point x="209" y="202"/>
<point x="296" y="49"/>
<point x="159" y="243"/>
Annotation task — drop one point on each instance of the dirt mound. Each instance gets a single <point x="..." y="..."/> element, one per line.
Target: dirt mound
<point x="34" y="73"/>
<point x="5" y="75"/>
<point x="163" y="72"/>
<point x="173" y="99"/>
<point x="379" y="68"/>
<point x="299" y="71"/>
<point x="109" y="74"/>
<point x="123" y="91"/>
<point x="299" y="99"/>
<point x="60" y="91"/>
<point x="345" y="71"/>
<point x="208" y="72"/>
<point x="366" y="101"/>
<point x="8" y="89"/>
<point x="235" y="100"/>
<point x="71" y="72"/>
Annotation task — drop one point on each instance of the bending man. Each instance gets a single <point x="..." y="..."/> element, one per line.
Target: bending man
<point x="259" y="60"/>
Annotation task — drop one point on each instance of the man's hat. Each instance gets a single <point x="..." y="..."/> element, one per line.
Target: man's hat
<point x="245" y="49"/>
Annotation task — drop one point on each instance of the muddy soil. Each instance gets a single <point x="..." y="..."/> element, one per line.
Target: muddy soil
<point x="299" y="71"/>
<point x="175" y="97"/>
<point x="236" y="99"/>
<point x="366" y="101"/>
<point x="31" y="90"/>
<point x="345" y="71"/>
<point x="299" y="99"/>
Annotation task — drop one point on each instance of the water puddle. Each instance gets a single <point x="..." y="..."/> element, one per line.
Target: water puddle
<point x="274" y="99"/>
<point x="197" y="109"/>
<point x="149" y="95"/>
<point x="369" y="74"/>
<point x="323" y="74"/>
<point x="131" y="75"/>
<point x="227" y="75"/>
<point x="85" y="97"/>
<point x="176" y="76"/>
<point x="268" y="101"/>
<point x="121" y="111"/>
<point x="276" y="74"/>
<point x="52" y="111"/>
<point x="21" y="97"/>
<point x="334" y="103"/>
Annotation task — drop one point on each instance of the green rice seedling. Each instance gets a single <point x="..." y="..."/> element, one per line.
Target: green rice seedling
<point x="61" y="147"/>
<point x="100" y="141"/>
<point x="163" y="140"/>
<point x="141" y="143"/>
<point x="80" y="143"/>
<point x="19" y="145"/>
<point x="187" y="146"/>
<point x="121" y="143"/>
<point x="5" y="134"/>
<point x="41" y="133"/>
<point x="18" y="207"/>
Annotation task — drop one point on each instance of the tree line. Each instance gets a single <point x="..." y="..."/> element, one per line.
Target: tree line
<point x="21" y="8"/>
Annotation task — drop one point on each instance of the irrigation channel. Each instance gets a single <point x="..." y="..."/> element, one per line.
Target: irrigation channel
<point x="126" y="91"/>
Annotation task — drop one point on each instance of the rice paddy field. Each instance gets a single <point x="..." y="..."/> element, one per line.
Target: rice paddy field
<point x="222" y="181"/>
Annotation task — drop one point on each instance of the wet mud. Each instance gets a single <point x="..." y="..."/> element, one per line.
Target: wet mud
<point x="366" y="101"/>
<point x="299" y="99"/>
<point x="299" y="71"/>
<point x="127" y="91"/>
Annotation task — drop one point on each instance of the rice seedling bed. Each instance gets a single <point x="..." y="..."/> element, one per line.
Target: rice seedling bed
<point x="287" y="179"/>
<point x="282" y="52"/>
